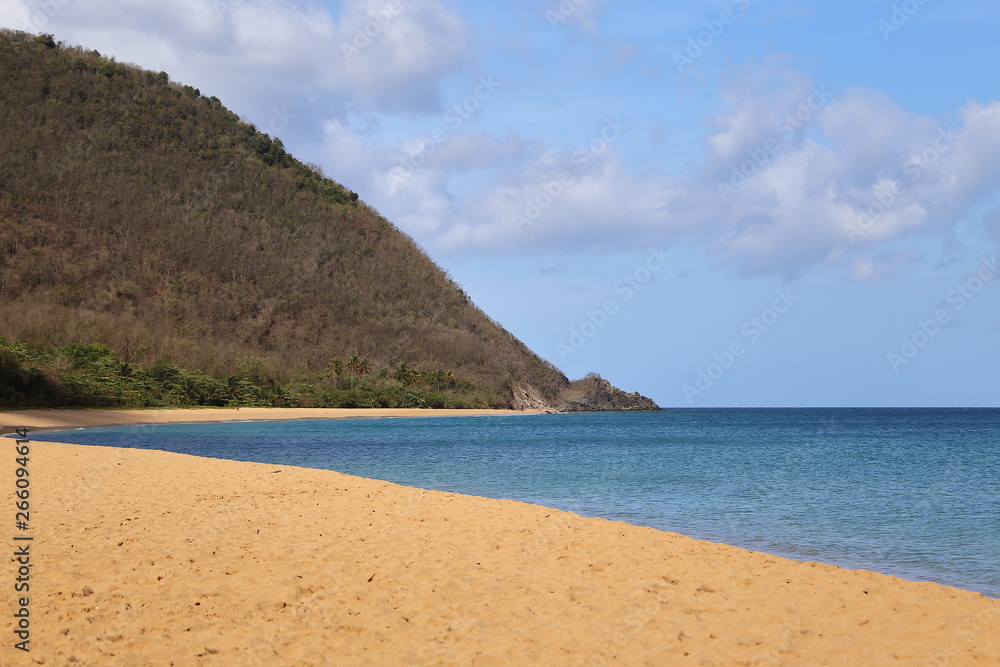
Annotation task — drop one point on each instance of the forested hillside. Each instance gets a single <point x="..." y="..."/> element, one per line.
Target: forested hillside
<point x="140" y="215"/>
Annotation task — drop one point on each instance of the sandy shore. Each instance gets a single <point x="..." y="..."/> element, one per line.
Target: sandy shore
<point x="62" y="419"/>
<point x="154" y="558"/>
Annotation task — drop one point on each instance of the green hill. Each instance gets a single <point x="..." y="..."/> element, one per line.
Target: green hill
<point x="155" y="249"/>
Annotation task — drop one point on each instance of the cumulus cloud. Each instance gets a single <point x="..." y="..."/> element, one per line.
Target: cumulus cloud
<point x="794" y="174"/>
<point x="791" y="173"/>
<point x="873" y="174"/>
<point x="839" y="172"/>
<point x="758" y="105"/>
<point x="396" y="52"/>
<point x="385" y="55"/>
<point x="533" y="195"/>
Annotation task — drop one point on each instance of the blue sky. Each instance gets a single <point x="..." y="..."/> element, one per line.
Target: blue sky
<point x="720" y="203"/>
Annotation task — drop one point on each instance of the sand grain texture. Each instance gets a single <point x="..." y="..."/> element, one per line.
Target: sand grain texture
<point x="151" y="558"/>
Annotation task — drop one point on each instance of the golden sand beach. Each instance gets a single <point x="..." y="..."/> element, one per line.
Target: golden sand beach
<point x="143" y="557"/>
<point x="63" y="419"/>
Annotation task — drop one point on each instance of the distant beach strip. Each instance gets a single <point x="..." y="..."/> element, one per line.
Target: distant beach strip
<point x="64" y="419"/>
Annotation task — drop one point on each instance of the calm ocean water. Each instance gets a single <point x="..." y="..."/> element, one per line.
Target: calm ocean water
<point x="910" y="492"/>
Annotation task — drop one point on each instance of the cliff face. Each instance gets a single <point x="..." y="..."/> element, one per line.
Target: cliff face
<point x="595" y="394"/>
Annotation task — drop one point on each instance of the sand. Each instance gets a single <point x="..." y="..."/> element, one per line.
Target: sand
<point x="63" y="419"/>
<point x="151" y="558"/>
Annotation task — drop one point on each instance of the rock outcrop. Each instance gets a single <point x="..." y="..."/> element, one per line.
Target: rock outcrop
<point x="527" y="397"/>
<point x="595" y="394"/>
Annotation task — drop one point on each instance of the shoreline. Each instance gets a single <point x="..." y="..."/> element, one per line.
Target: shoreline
<point x="241" y="563"/>
<point x="42" y="420"/>
<point x="58" y="419"/>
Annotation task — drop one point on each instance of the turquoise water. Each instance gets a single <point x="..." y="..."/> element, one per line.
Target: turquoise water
<point x="914" y="492"/>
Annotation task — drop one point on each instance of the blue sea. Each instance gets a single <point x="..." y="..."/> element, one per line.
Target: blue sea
<point x="909" y="492"/>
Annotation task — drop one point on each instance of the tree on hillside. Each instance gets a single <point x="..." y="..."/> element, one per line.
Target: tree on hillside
<point x="138" y="213"/>
<point x="354" y="365"/>
<point x="439" y="378"/>
<point x="401" y="373"/>
<point x="335" y="368"/>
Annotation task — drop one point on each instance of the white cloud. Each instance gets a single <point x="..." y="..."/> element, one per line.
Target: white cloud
<point x="869" y="270"/>
<point x="395" y="52"/>
<point x="18" y="16"/>
<point x="877" y="269"/>
<point x="806" y="175"/>
<point x="853" y="160"/>
<point x="475" y="150"/>
<point x="865" y="166"/>
<point x="296" y="52"/>
<point x="757" y="103"/>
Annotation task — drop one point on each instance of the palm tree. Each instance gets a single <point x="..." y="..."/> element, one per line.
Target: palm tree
<point x="191" y="387"/>
<point x="336" y="368"/>
<point x="439" y="377"/>
<point x="354" y="365"/>
<point x="402" y="373"/>
<point x="363" y="367"/>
